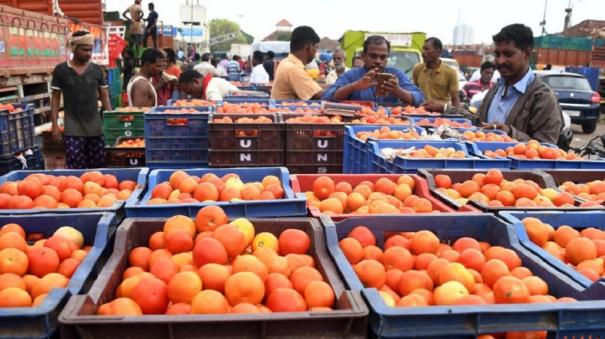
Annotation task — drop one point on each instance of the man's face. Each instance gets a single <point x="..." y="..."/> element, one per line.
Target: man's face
<point x="429" y="53"/>
<point x="83" y="53"/>
<point x="510" y="60"/>
<point x="311" y="50"/>
<point x="358" y="62"/>
<point x="376" y="56"/>
<point x="486" y="75"/>
<point x="339" y="58"/>
<point x="193" y="88"/>
<point x="158" y="67"/>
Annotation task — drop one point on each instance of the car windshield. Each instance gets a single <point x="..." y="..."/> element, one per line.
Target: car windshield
<point x="404" y="61"/>
<point x="567" y="82"/>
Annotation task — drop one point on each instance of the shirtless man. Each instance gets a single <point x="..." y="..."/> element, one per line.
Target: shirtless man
<point x="141" y="91"/>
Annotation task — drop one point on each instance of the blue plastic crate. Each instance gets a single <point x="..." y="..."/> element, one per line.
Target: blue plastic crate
<point x="355" y="158"/>
<point x="201" y="109"/>
<point x="451" y="321"/>
<point x="35" y="161"/>
<point x="292" y="103"/>
<point x="408" y="165"/>
<point x="169" y="140"/>
<point x="431" y="120"/>
<point x="245" y="100"/>
<point x="577" y="220"/>
<point x="479" y="147"/>
<point x="138" y="175"/>
<point x="292" y="205"/>
<point x="16" y="130"/>
<point x="171" y="102"/>
<point x="41" y="322"/>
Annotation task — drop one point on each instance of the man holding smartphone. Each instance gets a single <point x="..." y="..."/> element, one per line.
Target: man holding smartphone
<point x="374" y="81"/>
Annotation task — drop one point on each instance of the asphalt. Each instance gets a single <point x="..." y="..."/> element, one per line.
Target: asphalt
<point x="580" y="139"/>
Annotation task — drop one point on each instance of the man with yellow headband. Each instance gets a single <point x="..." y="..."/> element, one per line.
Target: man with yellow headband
<point x="82" y="83"/>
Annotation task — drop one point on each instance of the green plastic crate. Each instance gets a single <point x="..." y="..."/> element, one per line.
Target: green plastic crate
<point x="118" y="124"/>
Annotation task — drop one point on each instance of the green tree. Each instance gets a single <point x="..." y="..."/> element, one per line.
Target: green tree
<point x="220" y="27"/>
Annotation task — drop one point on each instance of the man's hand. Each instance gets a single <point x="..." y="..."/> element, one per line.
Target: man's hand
<point x="432" y="106"/>
<point x="501" y="127"/>
<point x="391" y="86"/>
<point x="56" y="133"/>
<point x="366" y="81"/>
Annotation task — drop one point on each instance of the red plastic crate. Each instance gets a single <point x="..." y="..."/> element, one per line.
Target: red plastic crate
<point x="304" y="182"/>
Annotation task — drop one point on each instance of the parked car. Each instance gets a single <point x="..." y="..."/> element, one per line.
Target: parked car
<point x="576" y="97"/>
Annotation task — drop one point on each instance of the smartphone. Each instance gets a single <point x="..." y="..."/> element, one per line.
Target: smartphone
<point x="380" y="79"/>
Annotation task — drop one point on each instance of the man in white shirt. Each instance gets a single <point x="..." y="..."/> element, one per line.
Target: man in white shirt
<point x="205" y="87"/>
<point x="259" y="75"/>
<point x="339" y="58"/>
<point x="205" y="67"/>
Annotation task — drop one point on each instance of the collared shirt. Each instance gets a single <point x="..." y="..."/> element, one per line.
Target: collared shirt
<point x="503" y="102"/>
<point x="369" y="94"/>
<point x="80" y="98"/>
<point x="436" y="84"/>
<point x="292" y="81"/>
<point x="204" y="68"/>
<point x="259" y="75"/>
<point x="333" y="76"/>
<point x="219" y="88"/>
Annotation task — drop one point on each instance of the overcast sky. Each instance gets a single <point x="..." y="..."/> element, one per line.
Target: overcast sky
<point x="435" y="17"/>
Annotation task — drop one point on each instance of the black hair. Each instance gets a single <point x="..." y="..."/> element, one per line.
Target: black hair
<point x="236" y="58"/>
<point x="206" y="57"/>
<point x="519" y="34"/>
<point x="196" y="57"/>
<point x="435" y="42"/>
<point x="151" y="55"/>
<point x="270" y="55"/>
<point x="151" y="5"/>
<point x="375" y="40"/>
<point x="170" y="55"/>
<point x="258" y="56"/>
<point x="80" y="33"/>
<point x="189" y="76"/>
<point x="301" y="36"/>
<point x="487" y="64"/>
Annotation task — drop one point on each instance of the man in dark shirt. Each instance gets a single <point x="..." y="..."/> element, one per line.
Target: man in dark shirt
<point x="151" y="28"/>
<point x="269" y="65"/>
<point x="81" y="82"/>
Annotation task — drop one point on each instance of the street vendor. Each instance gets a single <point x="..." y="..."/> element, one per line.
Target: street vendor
<point x="361" y="83"/>
<point x="520" y="103"/>
<point x="291" y="80"/>
<point x="205" y="87"/>
<point x="141" y="91"/>
<point x="81" y="82"/>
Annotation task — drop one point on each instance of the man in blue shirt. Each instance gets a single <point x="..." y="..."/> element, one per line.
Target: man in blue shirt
<point x="520" y="103"/>
<point x="359" y="84"/>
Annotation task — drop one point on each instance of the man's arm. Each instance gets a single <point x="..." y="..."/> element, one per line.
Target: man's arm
<point x="346" y="85"/>
<point x="126" y="12"/>
<point x="55" y="103"/>
<point x="304" y="87"/>
<point x="105" y="102"/>
<point x="407" y="92"/>
<point x="454" y="87"/>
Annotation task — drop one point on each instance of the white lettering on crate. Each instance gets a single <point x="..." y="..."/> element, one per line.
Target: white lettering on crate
<point x="322" y="157"/>
<point x="245" y="143"/>
<point x="322" y="143"/>
<point x="245" y="157"/>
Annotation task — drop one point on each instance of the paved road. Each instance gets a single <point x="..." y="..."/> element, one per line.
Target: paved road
<point x="580" y="139"/>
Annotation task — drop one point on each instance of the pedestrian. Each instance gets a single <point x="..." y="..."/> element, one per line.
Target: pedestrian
<point x="483" y="83"/>
<point x="171" y="64"/>
<point x="205" y="66"/>
<point x="206" y="87"/>
<point x="234" y="69"/>
<point x="357" y="61"/>
<point x="520" y="104"/>
<point x="151" y="28"/>
<point x="362" y="83"/>
<point x="141" y="91"/>
<point x="269" y="65"/>
<point x="437" y="80"/>
<point x="291" y="79"/>
<point x="81" y="82"/>
<point x="338" y="58"/>
<point x="136" y="26"/>
<point x="259" y="74"/>
<point x="128" y="66"/>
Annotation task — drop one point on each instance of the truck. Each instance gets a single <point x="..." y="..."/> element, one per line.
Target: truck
<point x="405" y="53"/>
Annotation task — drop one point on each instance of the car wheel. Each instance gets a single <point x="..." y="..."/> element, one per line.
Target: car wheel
<point x="589" y="127"/>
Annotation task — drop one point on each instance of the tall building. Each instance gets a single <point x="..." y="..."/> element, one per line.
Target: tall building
<point x="463" y="34"/>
